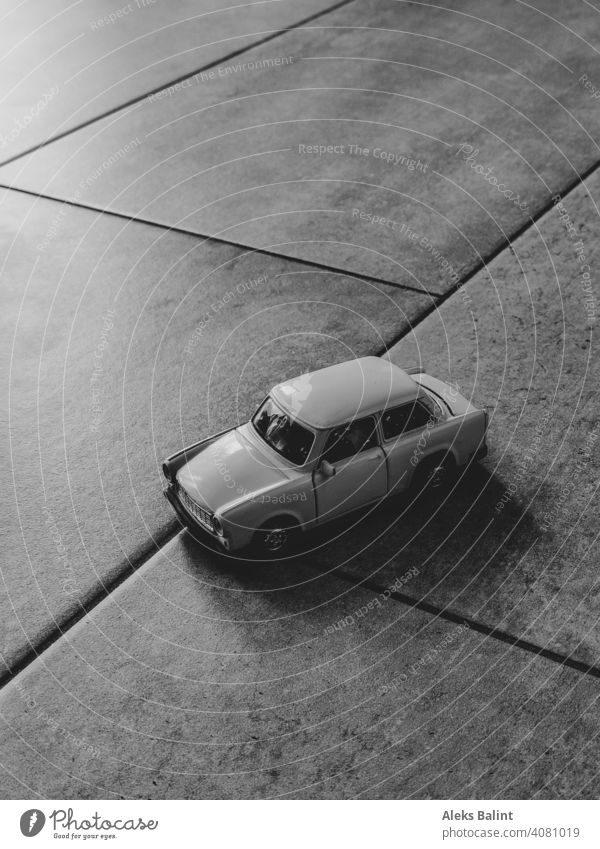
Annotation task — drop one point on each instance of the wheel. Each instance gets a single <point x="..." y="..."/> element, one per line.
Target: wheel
<point x="277" y="538"/>
<point x="434" y="474"/>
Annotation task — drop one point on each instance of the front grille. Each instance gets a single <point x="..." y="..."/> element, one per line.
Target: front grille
<point x="203" y="516"/>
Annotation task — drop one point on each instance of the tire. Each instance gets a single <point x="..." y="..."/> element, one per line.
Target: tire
<point x="434" y="475"/>
<point x="277" y="538"/>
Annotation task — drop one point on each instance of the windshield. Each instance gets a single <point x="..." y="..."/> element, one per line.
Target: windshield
<point x="281" y="432"/>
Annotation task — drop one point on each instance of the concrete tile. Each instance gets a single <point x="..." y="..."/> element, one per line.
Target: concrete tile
<point x="90" y="58"/>
<point x="202" y="679"/>
<point x="230" y="156"/>
<point x="123" y="342"/>
<point x="516" y="543"/>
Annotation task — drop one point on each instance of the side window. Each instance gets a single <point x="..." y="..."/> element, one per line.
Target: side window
<point x="394" y="421"/>
<point x="404" y="419"/>
<point x="350" y="439"/>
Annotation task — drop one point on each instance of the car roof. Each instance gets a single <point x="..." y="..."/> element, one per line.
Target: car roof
<point x="335" y="395"/>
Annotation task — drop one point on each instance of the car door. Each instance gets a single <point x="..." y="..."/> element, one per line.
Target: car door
<point x="410" y="432"/>
<point x="360" y="470"/>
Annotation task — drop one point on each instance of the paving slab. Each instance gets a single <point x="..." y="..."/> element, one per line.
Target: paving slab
<point x="63" y="64"/>
<point x="515" y="545"/>
<point x="122" y="343"/>
<point x="199" y="678"/>
<point x="395" y="139"/>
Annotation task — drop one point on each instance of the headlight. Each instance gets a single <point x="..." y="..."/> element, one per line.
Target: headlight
<point x="217" y="526"/>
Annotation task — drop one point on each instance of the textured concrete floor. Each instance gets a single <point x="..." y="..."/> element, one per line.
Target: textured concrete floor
<point x="137" y="663"/>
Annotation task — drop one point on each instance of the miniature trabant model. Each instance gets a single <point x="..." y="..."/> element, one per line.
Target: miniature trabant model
<point x="319" y="446"/>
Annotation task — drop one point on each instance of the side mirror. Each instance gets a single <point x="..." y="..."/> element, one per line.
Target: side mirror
<point x="326" y="469"/>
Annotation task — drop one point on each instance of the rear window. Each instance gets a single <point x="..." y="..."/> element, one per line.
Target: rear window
<point x="432" y="405"/>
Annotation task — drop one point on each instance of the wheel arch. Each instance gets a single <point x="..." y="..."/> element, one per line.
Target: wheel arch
<point x="439" y="454"/>
<point x="286" y="519"/>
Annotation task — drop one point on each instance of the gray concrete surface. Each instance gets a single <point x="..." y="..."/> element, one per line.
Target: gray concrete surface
<point x="64" y="64"/>
<point x="125" y="343"/>
<point x="200" y="676"/>
<point x="222" y="157"/>
<point x="195" y="680"/>
<point x="516" y="543"/>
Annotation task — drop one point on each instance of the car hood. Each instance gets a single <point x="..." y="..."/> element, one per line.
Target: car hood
<point x="229" y="468"/>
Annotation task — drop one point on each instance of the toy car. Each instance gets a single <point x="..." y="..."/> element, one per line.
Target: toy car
<point x="319" y="446"/>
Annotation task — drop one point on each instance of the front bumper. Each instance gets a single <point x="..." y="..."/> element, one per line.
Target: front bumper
<point x="189" y="521"/>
